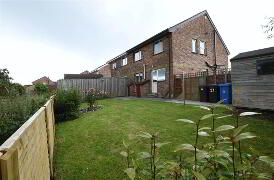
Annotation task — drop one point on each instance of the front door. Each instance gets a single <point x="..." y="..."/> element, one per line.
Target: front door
<point x="154" y="81"/>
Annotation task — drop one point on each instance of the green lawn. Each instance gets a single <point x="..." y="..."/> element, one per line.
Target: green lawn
<point x="88" y="147"/>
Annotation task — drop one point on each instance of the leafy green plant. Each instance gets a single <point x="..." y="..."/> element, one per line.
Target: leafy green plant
<point x="14" y="111"/>
<point x="41" y="88"/>
<point x="213" y="160"/>
<point x="66" y="105"/>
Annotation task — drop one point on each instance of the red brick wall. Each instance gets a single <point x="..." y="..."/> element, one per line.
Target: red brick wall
<point x="183" y="58"/>
<point x="151" y="61"/>
<point x="105" y="71"/>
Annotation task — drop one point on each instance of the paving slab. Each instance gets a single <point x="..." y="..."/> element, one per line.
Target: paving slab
<point x="178" y="101"/>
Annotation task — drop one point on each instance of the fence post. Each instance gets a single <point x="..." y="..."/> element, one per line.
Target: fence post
<point x="9" y="165"/>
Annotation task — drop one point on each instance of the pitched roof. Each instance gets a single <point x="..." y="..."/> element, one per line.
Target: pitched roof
<point x="170" y="30"/>
<point x="203" y="13"/>
<point x="255" y="53"/>
<point x="42" y="78"/>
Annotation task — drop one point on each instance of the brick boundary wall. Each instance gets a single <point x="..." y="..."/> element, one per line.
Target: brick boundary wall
<point x="28" y="153"/>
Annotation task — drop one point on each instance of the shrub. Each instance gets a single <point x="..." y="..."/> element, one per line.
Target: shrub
<point x="66" y="106"/>
<point x="14" y="111"/>
<point x="41" y="88"/>
<point x="90" y="97"/>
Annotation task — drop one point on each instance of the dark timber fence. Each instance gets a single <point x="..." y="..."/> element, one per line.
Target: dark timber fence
<point x="115" y="86"/>
<point x="192" y="81"/>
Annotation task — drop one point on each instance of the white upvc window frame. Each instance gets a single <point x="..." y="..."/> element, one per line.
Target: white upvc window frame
<point x="194" y="45"/>
<point x="124" y="61"/>
<point x="202" y="49"/>
<point x="157" y="78"/>
<point x="138" y="56"/>
<point x="155" y="48"/>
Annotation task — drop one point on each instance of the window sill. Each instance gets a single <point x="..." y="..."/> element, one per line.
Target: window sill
<point x="158" y="53"/>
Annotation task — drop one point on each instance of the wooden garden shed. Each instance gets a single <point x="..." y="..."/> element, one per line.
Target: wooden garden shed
<point x="252" y="75"/>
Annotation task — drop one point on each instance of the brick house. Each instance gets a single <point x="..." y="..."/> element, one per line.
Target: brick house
<point x="183" y="48"/>
<point x="44" y="80"/>
<point x="104" y="70"/>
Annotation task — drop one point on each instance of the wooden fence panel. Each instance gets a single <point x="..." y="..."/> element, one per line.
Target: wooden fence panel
<point x="28" y="153"/>
<point x="115" y="86"/>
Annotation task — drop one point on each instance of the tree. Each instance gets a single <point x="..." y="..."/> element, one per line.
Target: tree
<point x="269" y="27"/>
<point x="5" y="80"/>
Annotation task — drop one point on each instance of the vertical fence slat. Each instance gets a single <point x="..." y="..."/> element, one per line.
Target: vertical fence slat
<point x="9" y="165"/>
<point x="115" y="86"/>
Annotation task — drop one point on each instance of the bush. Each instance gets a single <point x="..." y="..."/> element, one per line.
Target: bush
<point x="14" y="111"/>
<point x="66" y="106"/>
<point x="41" y="88"/>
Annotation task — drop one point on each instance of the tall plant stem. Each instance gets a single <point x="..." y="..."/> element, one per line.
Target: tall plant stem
<point x="213" y="127"/>
<point x="196" y="143"/>
<point x="128" y="158"/>
<point x="154" y="154"/>
<point x="233" y="159"/>
<point x="239" y="144"/>
<point x="151" y="158"/>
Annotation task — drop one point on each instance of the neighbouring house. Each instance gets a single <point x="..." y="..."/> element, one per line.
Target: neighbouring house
<point x="104" y="70"/>
<point x="252" y="75"/>
<point x="44" y="80"/>
<point x="85" y="72"/>
<point x="183" y="48"/>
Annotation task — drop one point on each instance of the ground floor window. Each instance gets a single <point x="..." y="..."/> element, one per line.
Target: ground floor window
<point x="159" y="74"/>
<point x="139" y="77"/>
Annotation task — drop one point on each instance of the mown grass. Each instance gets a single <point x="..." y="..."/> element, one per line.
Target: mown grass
<point x="88" y="147"/>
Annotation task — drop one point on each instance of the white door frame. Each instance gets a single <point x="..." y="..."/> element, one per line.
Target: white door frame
<point x="154" y="83"/>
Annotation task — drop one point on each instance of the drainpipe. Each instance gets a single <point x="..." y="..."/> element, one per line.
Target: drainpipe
<point x="169" y="66"/>
<point x="144" y="72"/>
<point x="215" y="58"/>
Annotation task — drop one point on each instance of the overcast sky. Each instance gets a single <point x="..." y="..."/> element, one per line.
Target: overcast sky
<point x="52" y="37"/>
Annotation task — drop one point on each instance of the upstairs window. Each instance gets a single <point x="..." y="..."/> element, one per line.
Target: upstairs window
<point x="114" y="66"/>
<point x="124" y="61"/>
<point x="138" y="56"/>
<point x="158" y="47"/>
<point x="202" y="47"/>
<point x="138" y="77"/>
<point x="194" y="47"/>
<point x="265" y="66"/>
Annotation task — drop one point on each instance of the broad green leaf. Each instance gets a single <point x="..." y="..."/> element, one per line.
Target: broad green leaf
<point x="145" y="135"/>
<point x="131" y="173"/>
<point x="249" y="113"/>
<point x="184" y="147"/>
<point x="220" y="153"/>
<point x="224" y="178"/>
<point x="202" y="155"/>
<point x="205" y="108"/>
<point x="204" y="128"/>
<point x="246" y="135"/>
<point x="207" y="116"/>
<point x="203" y="133"/>
<point x="126" y="145"/>
<point x="267" y="160"/>
<point x="123" y="153"/>
<point x="221" y="117"/>
<point x="144" y="155"/>
<point x="264" y="176"/>
<point x="238" y="130"/>
<point x="158" y="145"/>
<point x="186" y="121"/>
<point x="224" y="128"/>
<point x="198" y="176"/>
